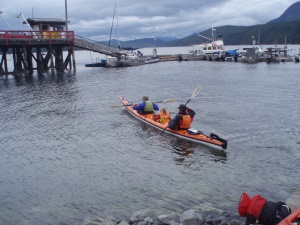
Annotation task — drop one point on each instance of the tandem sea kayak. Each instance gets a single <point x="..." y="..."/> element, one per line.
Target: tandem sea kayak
<point x="190" y="134"/>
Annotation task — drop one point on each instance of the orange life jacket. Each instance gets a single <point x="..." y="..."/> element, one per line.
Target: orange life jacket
<point x="186" y="122"/>
<point x="255" y="206"/>
<point x="161" y="117"/>
<point x="248" y="206"/>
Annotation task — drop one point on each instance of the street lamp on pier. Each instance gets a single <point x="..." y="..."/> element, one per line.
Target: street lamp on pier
<point x="66" y="9"/>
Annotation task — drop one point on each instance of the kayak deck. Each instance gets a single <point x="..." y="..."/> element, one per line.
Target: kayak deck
<point x="193" y="136"/>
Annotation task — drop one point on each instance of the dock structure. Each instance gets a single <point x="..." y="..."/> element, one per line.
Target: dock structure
<point x="91" y="45"/>
<point x="43" y="51"/>
<point x="42" y="47"/>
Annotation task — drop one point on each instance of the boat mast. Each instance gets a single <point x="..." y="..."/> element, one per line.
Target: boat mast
<point x="212" y="32"/>
<point x="119" y="46"/>
<point x="112" y="24"/>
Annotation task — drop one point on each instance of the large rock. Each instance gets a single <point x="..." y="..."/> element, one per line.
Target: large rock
<point x="99" y="221"/>
<point x="145" y="214"/>
<point x="171" y="219"/>
<point x="123" y="222"/>
<point x="191" y="217"/>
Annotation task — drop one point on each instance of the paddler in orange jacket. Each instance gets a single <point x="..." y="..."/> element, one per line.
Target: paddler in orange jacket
<point x="258" y="208"/>
<point x="183" y="119"/>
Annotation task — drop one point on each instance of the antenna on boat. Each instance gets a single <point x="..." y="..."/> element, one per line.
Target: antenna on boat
<point x="213" y="34"/>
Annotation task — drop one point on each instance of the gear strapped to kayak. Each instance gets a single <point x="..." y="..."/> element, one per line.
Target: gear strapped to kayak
<point x="188" y="134"/>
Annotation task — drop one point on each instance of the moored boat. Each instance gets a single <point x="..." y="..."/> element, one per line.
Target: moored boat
<point x="127" y="63"/>
<point x="150" y="60"/>
<point x="97" y="64"/>
<point x="214" y="47"/>
<point x="190" y="134"/>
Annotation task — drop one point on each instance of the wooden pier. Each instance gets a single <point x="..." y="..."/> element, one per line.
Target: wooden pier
<point x="42" y="47"/>
<point x="38" y="50"/>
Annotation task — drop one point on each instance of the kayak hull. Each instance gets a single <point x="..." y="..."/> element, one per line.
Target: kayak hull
<point x="199" y="137"/>
<point x="292" y="219"/>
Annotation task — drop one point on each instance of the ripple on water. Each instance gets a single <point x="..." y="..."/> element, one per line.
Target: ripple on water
<point x="67" y="154"/>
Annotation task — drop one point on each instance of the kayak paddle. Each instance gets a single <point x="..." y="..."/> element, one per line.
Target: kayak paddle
<point x="162" y="101"/>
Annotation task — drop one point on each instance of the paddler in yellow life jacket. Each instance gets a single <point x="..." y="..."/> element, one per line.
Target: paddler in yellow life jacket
<point x="146" y="107"/>
<point x="183" y="119"/>
<point x="161" y="116"/>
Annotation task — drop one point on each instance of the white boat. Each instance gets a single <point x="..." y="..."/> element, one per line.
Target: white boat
<point x="214" y="47"/>
<point x="150" y="60"/>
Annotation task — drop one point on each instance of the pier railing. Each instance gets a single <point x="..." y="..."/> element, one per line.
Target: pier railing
<point x="96" y="46"/>
<point x="31" y="36"/>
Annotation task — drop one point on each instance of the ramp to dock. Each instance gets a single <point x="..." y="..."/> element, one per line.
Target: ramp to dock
<point x="91" y="45"/>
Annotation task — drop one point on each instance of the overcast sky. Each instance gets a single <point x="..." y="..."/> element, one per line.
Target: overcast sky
<point x="136" y="19"/>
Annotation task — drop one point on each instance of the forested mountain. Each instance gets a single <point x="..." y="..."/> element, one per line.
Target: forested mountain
<point x="273" y="33"/>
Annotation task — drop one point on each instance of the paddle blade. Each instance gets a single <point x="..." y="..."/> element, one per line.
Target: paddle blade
<point x="117" y="105"/>
<point x="129" y="104"/>
<point x="196" y="92"/>
<point x="167" y="100"/>
<point x="170" y="100"/>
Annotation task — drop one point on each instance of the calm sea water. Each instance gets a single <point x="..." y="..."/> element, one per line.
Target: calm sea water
<point x="66" y="154"/>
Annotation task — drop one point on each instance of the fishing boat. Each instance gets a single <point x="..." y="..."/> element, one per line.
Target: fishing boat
<point x="191" y="134"/>
<point x="292" y="219"/>
<point x="200" y="51"/>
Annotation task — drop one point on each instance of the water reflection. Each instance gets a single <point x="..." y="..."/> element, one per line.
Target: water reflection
<point x="188" y="152"/>
<point x="41" y="78"/>
<point x="61" y="139"/>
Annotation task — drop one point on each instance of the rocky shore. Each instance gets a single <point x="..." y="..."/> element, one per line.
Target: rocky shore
<point x="201" y="216"/>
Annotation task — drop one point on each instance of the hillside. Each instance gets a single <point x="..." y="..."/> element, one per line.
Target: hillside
<point x="138" y="43"/>
<point x="292" y="13"/>
<point x="273" y="33"/>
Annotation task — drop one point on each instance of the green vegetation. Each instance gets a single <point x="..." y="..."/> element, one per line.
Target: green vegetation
<point x="274" y="33"/>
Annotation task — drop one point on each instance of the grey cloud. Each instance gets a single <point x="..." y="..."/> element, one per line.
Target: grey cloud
<point x="141" y="18"/>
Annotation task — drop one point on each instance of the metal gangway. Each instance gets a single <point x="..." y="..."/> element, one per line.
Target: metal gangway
<point x="92" y="45"/>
